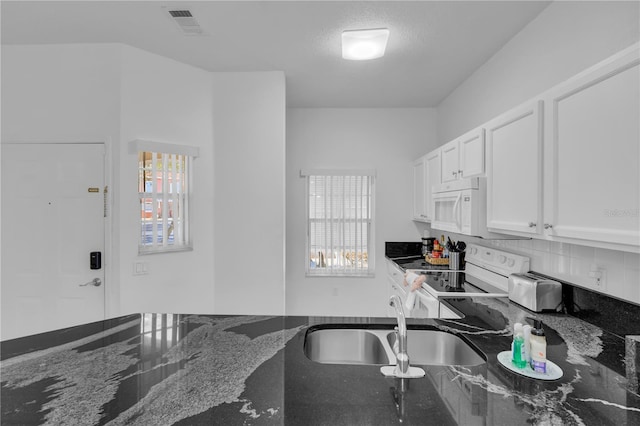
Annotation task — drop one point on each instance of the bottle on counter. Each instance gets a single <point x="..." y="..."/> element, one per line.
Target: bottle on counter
<point x="538" y="342"/>
<point x="526" y="331"/>
<point x="437" y="250"/>
<point x="518" y="356"/>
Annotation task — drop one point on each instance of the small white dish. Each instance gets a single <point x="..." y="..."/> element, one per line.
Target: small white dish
<point x="554" y="372"/>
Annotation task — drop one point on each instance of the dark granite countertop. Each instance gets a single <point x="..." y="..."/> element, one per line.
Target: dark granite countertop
<point x="162" y="369"/>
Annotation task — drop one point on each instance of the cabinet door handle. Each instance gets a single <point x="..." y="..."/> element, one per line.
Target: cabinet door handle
<point x="548" y="226"/>
<point x="454" y="173"/>
<point x="532" y="225"/>
<point x="460" y="171"/>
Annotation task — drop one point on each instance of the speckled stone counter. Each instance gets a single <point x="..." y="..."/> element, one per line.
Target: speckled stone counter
<point x="160" y="369"/>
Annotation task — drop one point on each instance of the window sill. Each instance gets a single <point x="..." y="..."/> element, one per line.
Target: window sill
<point x="145" y="252"/>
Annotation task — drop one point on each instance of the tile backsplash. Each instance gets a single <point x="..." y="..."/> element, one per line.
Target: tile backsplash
<point x="573" y="264"/>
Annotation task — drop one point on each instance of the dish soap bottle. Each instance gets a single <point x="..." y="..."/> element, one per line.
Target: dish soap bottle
<point x="538" y="348"/>
<point x="518" y="355"/>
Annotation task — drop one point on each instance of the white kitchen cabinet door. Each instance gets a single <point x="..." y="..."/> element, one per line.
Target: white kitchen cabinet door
<point x="433" y="176"/>
<point x="464" y="157"/>
<point x="471" y="147"/>
<point x="419" y="174"/>
<point x="395" y="277"/>
<point x="514" y="170"/>
<point x="592" y="139"/>
<point x="450" y="161"/>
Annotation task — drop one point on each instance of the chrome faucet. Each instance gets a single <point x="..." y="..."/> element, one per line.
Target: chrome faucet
<point x="401" y="333"/>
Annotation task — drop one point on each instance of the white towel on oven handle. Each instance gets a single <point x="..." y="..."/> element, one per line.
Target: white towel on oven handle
<point x="410" y="301"/>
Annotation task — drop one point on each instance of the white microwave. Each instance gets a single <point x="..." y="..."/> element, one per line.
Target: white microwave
<point x="460" y="207"/>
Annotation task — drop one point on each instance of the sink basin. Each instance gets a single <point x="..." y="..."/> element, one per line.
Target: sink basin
<point x="433" y="347"/>
<point x="346" y="346"/>
<point x="374" y="346"/>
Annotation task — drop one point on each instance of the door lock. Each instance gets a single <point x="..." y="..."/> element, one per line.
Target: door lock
<point x="95" y="260"/>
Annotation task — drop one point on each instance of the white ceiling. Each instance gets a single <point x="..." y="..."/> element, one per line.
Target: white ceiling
<point x="433" y="47"/>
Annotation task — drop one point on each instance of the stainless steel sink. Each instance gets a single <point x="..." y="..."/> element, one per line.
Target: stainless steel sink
<point x="375" y="346"/>
<point x="346" y="346"/>
<point x="433" y="347"/>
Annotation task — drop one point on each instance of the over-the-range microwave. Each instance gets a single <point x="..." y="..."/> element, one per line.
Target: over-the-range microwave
<point x="461" y="207"/>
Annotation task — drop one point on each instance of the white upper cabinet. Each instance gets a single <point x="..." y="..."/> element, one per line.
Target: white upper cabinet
<point x="426" y="173"/>
<point x="592" y="154"/>
<point x="464" y="156"/>
<point x="450" y="161"/>
<point x="471" y="146"/>
<point x="419" y="189"/>
<point x="514" y="166"/>
<point x="433" y="173"/>
<point x="586" y="187"/>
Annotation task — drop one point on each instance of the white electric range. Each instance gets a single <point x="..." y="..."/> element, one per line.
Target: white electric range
<point x="486" y="274"/>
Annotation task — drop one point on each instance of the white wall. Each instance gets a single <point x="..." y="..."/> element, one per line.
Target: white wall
<point x="387" y="140"/>
<point x="60" y="93"/>
<point x="165" y="101"/>
<point x="115" y="94"/>
<point x="249" y="134"/>
<point x="566" y="38"/>
<point x="63" y="93"/>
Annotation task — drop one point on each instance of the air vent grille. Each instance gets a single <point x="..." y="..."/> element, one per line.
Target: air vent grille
<point x="186" y="22"/>
<point x="180" y="13"/>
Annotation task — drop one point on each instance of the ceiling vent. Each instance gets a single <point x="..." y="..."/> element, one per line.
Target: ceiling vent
<point x="186" y="22"/>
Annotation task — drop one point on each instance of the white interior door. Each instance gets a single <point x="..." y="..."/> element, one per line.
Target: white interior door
<point x="52" y="220"/>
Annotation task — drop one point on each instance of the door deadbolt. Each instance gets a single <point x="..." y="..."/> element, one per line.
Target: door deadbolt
<point x="95" y="260"/>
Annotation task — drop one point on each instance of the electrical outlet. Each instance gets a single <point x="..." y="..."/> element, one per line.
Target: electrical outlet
<point x="602" y="283"/>
<point x="598" y="276"/>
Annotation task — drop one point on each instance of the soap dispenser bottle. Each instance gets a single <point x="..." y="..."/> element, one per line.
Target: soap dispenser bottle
<point x="538" y="348"/>
<point x="518" y="356"/>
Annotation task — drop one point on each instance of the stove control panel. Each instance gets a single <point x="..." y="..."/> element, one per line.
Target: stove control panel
<point x="499" y="261"/>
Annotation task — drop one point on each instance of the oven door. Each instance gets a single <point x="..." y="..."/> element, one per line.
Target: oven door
<point x="446" y="210"/>
<point x="425" y="306"/>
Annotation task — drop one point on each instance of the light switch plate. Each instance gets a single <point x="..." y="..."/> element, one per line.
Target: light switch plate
<point x="140" y="268"/>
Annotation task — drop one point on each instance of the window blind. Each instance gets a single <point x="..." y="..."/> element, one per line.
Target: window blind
<point x="163" y="189"/>
<point x="340" y="222"/>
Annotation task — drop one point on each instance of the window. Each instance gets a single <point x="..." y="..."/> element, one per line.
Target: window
<point x="340" y="207"/>
<point x="164" y="192"/>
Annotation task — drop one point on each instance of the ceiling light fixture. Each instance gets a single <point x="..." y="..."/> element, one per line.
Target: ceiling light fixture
<point x="364" y="44"/>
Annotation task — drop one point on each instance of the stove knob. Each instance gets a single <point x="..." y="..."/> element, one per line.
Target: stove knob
<point x="502" y="258"/>
<point x="511" y="262"/>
